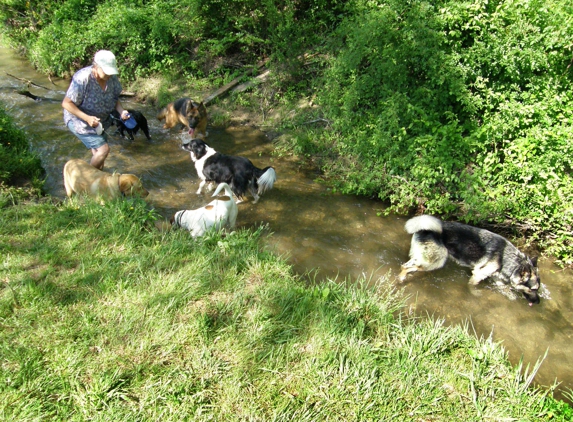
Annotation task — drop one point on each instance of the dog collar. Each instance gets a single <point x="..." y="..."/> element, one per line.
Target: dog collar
<point x="119" y="186"/>
<point x="179" y="217"/>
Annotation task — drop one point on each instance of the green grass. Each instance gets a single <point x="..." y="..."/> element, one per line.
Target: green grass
<point x="103" y="317"/>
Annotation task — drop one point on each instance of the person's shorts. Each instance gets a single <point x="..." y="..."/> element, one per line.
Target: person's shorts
<point x="91" y="141"/>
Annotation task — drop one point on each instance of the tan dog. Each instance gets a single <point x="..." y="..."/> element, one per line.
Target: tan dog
<point x="82" y="178"/>
<point x="189" y="113"/>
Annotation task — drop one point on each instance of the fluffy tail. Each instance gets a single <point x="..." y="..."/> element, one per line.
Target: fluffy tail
<point x="266" y="180"/>
<point x="423" y="222"/>
<point x="222" y="186"/>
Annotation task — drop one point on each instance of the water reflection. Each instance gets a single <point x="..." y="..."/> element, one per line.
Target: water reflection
<point x="338" y="235"/>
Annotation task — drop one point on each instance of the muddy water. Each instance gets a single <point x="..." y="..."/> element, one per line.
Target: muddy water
<point x="321" y="233"/>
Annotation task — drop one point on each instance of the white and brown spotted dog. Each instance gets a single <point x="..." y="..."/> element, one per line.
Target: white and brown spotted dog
<point x="217" y="214"/>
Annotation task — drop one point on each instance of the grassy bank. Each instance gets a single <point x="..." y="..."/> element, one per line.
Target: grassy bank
<point x="21" y="174"/>
<point x="106" y="318"/>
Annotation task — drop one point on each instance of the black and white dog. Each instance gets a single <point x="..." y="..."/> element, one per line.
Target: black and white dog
<point x="489" y="255"/>
<point x="139" y="119"/>
<point x="238" y="172"/>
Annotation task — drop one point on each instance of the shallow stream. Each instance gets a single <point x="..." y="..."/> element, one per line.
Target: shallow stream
<point x="332" y="235"/>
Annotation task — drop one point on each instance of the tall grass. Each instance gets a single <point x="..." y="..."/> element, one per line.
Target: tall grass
<point x="21" y="174"/>
<point x="104" y="317"/>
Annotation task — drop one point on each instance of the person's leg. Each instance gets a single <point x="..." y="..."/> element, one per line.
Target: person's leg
<point x="96" y="143"/>
<point x="99" y="155"/>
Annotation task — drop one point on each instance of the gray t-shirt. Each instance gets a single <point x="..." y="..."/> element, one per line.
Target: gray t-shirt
<point x="87" y="94"/>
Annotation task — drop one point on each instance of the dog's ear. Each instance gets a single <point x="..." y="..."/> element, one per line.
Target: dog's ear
<point x="126" y="183"/>
<point x="534" y="261"/>
<point x="129" y="185"/>
<point x="172" y="219"/>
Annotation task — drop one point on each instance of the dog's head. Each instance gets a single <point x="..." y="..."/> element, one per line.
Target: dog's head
<point x="526" y="280"/>
<point x="116" y="119"/>
<point x="130" y="185"/>
<point x="174" y="220"/>
<point x="197" y="148"/>
<point x="195" y="114"/>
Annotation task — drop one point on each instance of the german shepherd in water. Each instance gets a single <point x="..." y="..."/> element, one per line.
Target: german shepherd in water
<point x="189" y="113"/>
<point x="486" y="253"/>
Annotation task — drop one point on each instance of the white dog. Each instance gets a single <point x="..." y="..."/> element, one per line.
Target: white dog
<point x="217" y="214"/>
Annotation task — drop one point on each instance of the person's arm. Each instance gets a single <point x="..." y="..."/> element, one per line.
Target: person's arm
<point x="69" y="105"/>
<point x="122" y="112"/>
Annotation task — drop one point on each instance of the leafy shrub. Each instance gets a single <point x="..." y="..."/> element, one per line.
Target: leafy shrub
<point x="456" y="108"/>
<point x="19" y="164"/>
<point x="192" y="38"/>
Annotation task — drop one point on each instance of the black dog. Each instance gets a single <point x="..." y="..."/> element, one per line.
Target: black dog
<point x="139" y="119"/>
<point x="238" y="172"/>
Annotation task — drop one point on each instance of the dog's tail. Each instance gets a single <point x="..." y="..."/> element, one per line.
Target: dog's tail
<point x="423" y="222"/>
<point x="266" y="180"/>
<point x="227" y="188"/>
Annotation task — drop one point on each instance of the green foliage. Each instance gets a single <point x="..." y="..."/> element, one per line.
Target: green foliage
<point x="189" y="38"/>
<point x="460" y="108"/>
<point x="145" y="39"/>
<point x="559" y="410"/>
<point x="19" y="164"/>
<point x="22" y="19"/>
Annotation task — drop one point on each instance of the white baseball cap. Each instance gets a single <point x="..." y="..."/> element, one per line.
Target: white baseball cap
<point x="106" y="60"/>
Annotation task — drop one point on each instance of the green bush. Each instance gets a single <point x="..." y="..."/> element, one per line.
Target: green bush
<point x="19" y="164"/>
<point x="192" y="38"/>
<point x="456" y="108"/>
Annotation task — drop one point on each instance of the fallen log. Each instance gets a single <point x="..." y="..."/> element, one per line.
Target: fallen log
<point x="226" y="88"/>
<point x="28" y="94"/>
<point x="256" y="80"/>
<point x="28" y="82"/>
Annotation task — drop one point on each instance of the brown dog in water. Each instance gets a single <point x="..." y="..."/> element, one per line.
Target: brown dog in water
<point x="82" y="178"/>
<point x="189" y="113"/>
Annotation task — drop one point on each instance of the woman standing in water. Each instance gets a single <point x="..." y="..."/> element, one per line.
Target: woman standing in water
<point x="93" y="94"/>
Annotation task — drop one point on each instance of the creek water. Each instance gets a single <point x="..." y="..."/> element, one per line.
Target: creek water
<point x="322" y="234"/>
